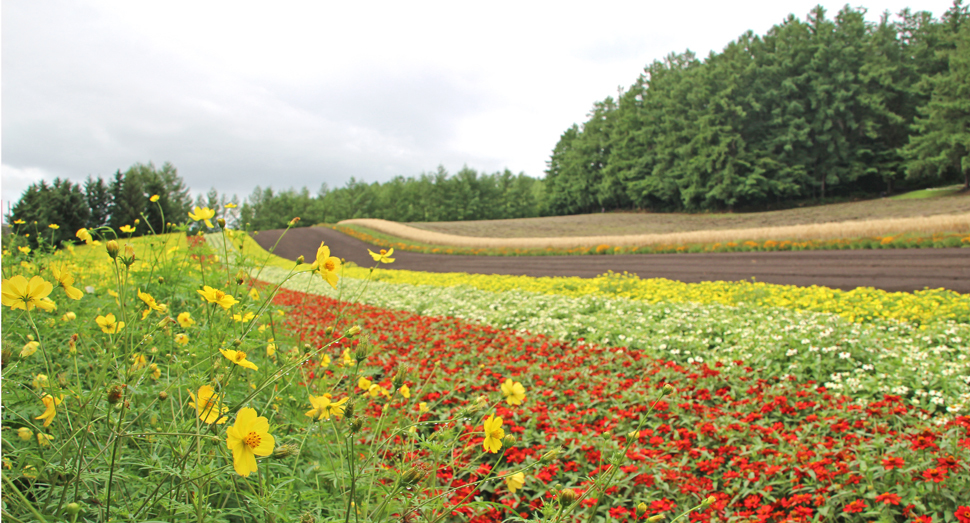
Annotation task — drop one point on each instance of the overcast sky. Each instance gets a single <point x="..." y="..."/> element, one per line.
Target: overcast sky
<point x="292" y="94"/>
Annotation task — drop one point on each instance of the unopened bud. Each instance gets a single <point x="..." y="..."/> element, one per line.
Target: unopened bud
<point x="300" y="260"/>
<point x="668" y="389"/>
<point x="161" y="280"/>
<point x="355" y="425"/>
<point x="236" y="342"/>
<point x="72" y="509"/>
<point x="240" y="277"/>
<point x="114" y="395"/>
<point x="294" y="221"/>
<point x="567" y="496"/>
<point x="163" y="395"/>
<point x="129" y="254"/>
<point x="353" y="331"/>
<point x="285" y="451"/>
<point x="508" y="440"/>
<point x="641" y="509"/>
<point x="549" y="456"/>
<point x="655" y="518"/>
<point x="398" y="380"/>
<point x="708" y="501"/>
<point x="411" y="477"/>
<point x="112" y="248"/>
<point x="328" y="330"/>
<point x="221" y="222"/>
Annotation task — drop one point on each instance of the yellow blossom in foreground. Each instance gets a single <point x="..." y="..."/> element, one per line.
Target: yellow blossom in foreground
<point x="239" y="358"/>
<point x="247" y="438"/>
<point x="127" y="229"/>
<point x="84" y="235"/>
<point x="18" y="293"/>
<point x="324" y="407"/>
<point x="226" y="301"/>
<point x="149" y="300"/>
<point x="382" y="257"/>
<point x="204" y="214"/>
<point x="493" y="434"/>
<point x="327" y="266"/>
<point x="50" y="410"/>
<point x="185" y="320"/>
<point x="109" y="324"/>
<point x="515" y="481"/>
<point x="29" y="349"/>
<point x="514" y="392"/>
<point x="208" y="405"/>
<point x="25" y="433"/>
<point x="66" y="281"/>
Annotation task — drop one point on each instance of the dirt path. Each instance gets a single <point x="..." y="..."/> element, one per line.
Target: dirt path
<point x="890" y="269"/>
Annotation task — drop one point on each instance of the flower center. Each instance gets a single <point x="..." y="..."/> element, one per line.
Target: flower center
<point x="329" y="265"/>
<point x="240" y="355"/>
<point x="252" y="439"/>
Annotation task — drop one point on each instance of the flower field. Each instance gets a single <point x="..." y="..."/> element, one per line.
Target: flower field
<point x="169" y="378"/>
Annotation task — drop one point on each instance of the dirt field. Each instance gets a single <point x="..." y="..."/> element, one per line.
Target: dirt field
<point x="660" y="223"/>
<point x="892" y="270"/>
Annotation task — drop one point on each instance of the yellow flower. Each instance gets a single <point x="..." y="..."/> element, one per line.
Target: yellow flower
<point x="247" y="438"/>
<point x="128" y="229"/>
<point x="327" y="266"/>
<point x="149" y="300"/>
<point x="182" y="338"/>
<point x="138" y="362"/>
<point x="50" y="410"/>
<point x="25" y="433"/>
<point x="203" y="213"/>
<point x="84" y="235"/>
<point x="18" y="293"/>
<point x="40" y="381"/>
<point x="514" y="392"/>
<point x="515" y="481"/>
<point x="66" y="280"/>
<point x="185" y="320"/>
<point x="423" y="407"/>
<point x="382" y="257"/>
<point x="270" y="349"/>
<point x="154" y="198"/>
<point x="364" y="384"/>
<point x="324" y="407"/>
<point x="239" y="358"/>
<point x="54" y="226"/>
<point x="226" y="301"/>
<point x="325" y="361"/>
<point x="29" y="349"/>
<point x="69" y="316"/>
<point x="493" y="434"/>
<point x="25" y="249"/>
<point x="348" y="361"/>
<point x="44" y="440"/>
<point x="19" y="222"/>
<point x="405" y="391"/>
<point x="230" y="206"/>
<point x="108" y="324"/>
<point x="254" y="294"/>
<point x="243" y="318"/>
<point x="209" y="406"/>
<point x="156" y="372"/>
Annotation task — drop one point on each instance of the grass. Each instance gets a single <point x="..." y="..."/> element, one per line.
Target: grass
<point x="924" y="194"/>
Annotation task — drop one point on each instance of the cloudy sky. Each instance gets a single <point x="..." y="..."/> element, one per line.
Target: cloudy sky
<point x="292" y="94"/>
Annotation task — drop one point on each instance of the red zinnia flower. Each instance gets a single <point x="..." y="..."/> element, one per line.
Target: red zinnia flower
<point x="936" y="475"/>
<point x="856" y="506"/>
<point x="963" y="514"/>
<point x="891" y="462"/>
<point x="888" y="498"/>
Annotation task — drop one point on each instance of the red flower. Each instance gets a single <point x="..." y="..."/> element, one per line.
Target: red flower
<point x="963" y="514"/>
<point x="923" y="519"/>
<point x="856" y="506"/>
<point x="888" y="498"/>
<point x="662" y="504"/>
<point x="936" y="475"/>
<point x="891" y="462"/>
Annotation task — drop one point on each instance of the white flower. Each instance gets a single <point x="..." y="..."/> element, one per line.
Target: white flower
<point x="845" y="355"/>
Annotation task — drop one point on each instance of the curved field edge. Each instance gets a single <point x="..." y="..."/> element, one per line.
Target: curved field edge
<point x="934" y="231"/>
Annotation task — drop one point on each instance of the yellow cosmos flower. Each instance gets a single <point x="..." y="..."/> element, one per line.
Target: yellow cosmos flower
<point x="40" y="381"/>
<point x="54" y="226"/>
<point x="25" y="433"/>
<point x="514" y="392"/>
<point x="66" y="280"/>
<point x="230" y="206"/>
<point x="209" y="406"/>
<point x="243" y="318"/>
<point x="29" y="349"/>
<point x="127" y="229"/>
<point x="270" y="349"/>
<point x="239" y="358"/>
<point x="44" y="440"/>
<point x="25" y="249"/>
<point x="109" y="324"/>
<point x="324" y="407"/>
<point x="254" y="294"/>
<point x="83" y="235"/>
<point x="182" y="338"/>
<point x="139" y="361"/>
<point x="69" y="316"/>
<point x="423" y="407"/>
<point x="156" y="372"/>
<point x="382" y="257"/>
<point x="327" y="266"/>
<point x="364" y="384"/>
<point x="185" y="320"/>
<point x="203" y="213"/>
<point x="149" y="300"/>
<point x="154" y="198"/>
<point x="493" y="434"/>
<point x="405" y="391"/>
<point x="50" y="408"/>
<point x="226" y="301"/>
<point x="18" y="293"/>
<point x="515" y="481"/>
<point x="347" y="360"/>
<point x="247" y="438"/>
<point x="325" y="361"/>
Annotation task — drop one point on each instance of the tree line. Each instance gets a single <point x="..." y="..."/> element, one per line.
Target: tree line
<point x="813" y="109"/>
<point x="429" y="197"/>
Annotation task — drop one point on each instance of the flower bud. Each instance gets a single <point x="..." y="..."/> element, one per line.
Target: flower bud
<point x="163" y="395"/>
<point x="355" y="425"/>
<point x="285" y="451"/>
<point x="112" y="248"/>
<point x="655" y="518"/>
<point x="114" y="395"/>
<point x="72" y="509"/>
<point x="567" y="496"/>
<point x="411" y="477"/>
<point x="161" y="280"/>
<point x="668" y="389"/>
<point x="300" y="260"/>
<point x="641" y="509"/>
<point x="708" y="501"/>
<point x="221" y="222"/>
<point x="508" y="440"/>
<point x="236" y="342"/>
<point x="294" y="221"/>
<point x="353" y="331"/>
<point x="549" y="456"/>
<point x="328" y="330"/>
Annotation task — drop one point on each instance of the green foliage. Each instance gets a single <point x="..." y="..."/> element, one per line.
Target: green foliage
<point x="62" y="204"/>
<point x="815" y="109"/>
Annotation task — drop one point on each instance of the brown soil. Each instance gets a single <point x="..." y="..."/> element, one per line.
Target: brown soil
<point x="659" y="223"/>
<point x="889" y="269"/>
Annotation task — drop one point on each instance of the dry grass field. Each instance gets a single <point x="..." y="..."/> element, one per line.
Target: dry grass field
<point x="661" y="223"/>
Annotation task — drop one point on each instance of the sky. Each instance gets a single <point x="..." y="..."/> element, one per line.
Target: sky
<point x="291" y="94"/>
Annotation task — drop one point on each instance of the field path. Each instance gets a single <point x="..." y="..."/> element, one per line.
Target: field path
<point x="888" y="269"/>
